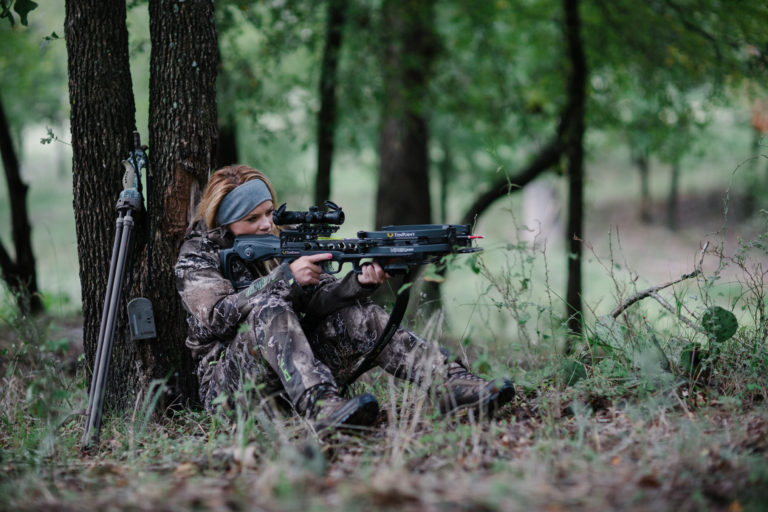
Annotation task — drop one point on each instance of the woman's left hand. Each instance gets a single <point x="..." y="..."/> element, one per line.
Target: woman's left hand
<point x="372" y="274"/>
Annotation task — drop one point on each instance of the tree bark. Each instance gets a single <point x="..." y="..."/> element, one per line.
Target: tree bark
<point x="102" y="122"/>
<point x="326" y="117"/>
<point x="577" y="90"/>
<point x="409" y="48"/>
<point x="19" y="274"/>
<point x="183" y="140"/>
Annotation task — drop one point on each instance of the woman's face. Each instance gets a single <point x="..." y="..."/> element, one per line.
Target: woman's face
<point x="258" y="222"/>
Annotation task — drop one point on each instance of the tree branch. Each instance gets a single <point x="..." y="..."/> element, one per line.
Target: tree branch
<point x="652" y="291"/>
<point x="547" y="157"/>
<point x="7" y="266"/>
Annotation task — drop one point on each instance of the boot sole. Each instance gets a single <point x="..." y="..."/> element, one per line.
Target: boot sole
<point x="360" y="411"/>
<point x="497" y="397"/>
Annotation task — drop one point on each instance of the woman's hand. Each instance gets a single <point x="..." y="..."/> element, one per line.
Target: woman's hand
<point x="305" y="271"/>
<point x="372" y="274"/>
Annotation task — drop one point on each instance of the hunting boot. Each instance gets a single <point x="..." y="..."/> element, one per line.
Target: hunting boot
<point x="464" y="390"/>
<point x="326" y="408"/>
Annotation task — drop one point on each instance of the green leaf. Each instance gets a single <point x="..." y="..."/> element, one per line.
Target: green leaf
<point x="404" y="287"/>
<point x="691" y="357"/>
<point x="22" y="8"/>
<point x="60" y="345"/>
<point x="431" y="275"/>
<point x="472" y="262"/>
<point x="5" y="11"/>
<point x="720" y="324"/>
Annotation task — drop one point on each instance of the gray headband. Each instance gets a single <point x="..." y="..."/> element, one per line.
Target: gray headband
<point x="242" y="200"/>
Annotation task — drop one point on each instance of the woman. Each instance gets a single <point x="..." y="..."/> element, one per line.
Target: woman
<point x="295" y="331"/>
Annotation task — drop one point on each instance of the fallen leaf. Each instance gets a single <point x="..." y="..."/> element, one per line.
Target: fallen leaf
<point x="185" y="470"/>
<point x="649" y="481"/>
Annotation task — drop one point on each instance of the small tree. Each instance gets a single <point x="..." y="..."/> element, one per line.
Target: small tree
<point x="25" y="99"/>
<point x="326" y="116"/>
<point x="19" y="272"/>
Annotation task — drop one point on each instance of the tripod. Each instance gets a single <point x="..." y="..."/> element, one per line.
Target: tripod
<point x="128" y="203"/>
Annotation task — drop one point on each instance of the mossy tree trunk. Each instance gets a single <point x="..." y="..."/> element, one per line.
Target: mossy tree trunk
<point x="408" y="49"/>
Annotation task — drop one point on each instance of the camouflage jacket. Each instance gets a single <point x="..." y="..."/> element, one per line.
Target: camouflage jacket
<point x="215" y="309"/>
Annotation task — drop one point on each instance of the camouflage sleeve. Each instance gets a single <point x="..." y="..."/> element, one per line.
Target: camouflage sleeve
<point x="208" y="296"/>
<point x="281" y="273"/>
<point x="333" y="294"/>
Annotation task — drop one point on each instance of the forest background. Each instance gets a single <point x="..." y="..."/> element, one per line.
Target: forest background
<point x="673" y="157"/>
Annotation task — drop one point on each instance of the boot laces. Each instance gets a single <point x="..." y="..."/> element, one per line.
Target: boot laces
<point x="457" y="370"/>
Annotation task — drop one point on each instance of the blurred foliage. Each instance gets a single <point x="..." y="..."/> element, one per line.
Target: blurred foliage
<point x="659" y="70"/>
<point x="21" y="8"/>
<point x="33" y="74"/>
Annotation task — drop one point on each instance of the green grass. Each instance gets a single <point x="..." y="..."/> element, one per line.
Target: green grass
<point x="621" y="424"/>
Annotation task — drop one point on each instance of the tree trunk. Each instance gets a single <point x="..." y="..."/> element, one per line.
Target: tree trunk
<point x="409" y="48"/>
<point x="575" y="153"/>
<point x="227" y="153"/>
<point x="326" y="117"/>
<point x="19" y="274"/>
<point x="445" y="169"/>
<point x="641" y="162"/>
<point x="673" y="198"/>
<point x="102" y="123"/>
<point x="182" y="135"/>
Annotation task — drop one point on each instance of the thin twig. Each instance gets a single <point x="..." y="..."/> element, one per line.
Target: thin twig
<point x="667" y="364"/>
<point x="678" y="315"/>
<point x="682" y="404"/>
<point x="654" y="289"/>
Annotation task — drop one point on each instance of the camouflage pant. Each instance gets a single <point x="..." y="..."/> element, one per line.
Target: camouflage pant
<point x="279" y="354"/>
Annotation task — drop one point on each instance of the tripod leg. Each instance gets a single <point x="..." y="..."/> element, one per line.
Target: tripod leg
<point x="102" y="328"/>
<point x="109" y="335"/>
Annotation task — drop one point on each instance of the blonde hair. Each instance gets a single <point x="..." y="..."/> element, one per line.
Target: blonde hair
<point x="221" y="183"/>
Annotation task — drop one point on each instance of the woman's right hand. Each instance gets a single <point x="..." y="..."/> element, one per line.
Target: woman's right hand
<point x="305" y="269"/>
